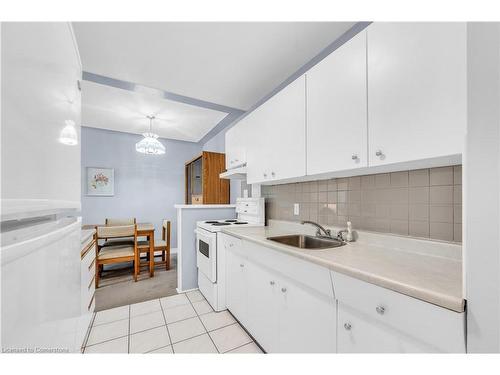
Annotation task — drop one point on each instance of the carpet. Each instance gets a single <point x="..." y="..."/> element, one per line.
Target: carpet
<point x="117" y="286"/>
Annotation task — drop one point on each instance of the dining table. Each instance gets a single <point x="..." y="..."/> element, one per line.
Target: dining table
<point x="143" y="230"/>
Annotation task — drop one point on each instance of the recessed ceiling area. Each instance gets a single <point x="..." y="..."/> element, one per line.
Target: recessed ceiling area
<point x="111" y="108"/>
<point x="232" y="64"/>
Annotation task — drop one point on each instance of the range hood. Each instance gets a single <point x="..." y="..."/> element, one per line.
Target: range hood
<point x="239" y="173"/>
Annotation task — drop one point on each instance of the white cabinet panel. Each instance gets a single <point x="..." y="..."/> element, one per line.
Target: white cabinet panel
<point x="307" y="320"/>
<point x="416" y="91"/>
<point x="236" y="286"/>
<point x="336" y="110"/>
<point x="357" y="334"/>
<point x="262" y="306"/>
<point x="276" y="150"/>
<point x="236" y="139"/>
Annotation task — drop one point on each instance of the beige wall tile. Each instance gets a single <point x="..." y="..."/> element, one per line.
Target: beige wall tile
<point x="354" y="209"/>
<point x="399" y="179"/>
<point x="419" y="177"/>
<point x="398" y="195"/>
<point x="441" y="195"/>
<point x="354" y="196"/>
<point x="368" y="182"/>
<point x="419" y="212"/>
<point x="419" y="229"/>
<point x="382" y="180"/>
<point x="332" y="197"/>
<point x="441" y="176"/>
<point x="342" y="184"/>
<point x="323" y="185"/>
<point x="332" y="184"/>
<point x="457" y="175"/>
<point x="354" y="183"/>
<point x="441" y="214"/>
<point x="399" y="212"/>
<point x="368" y="209"/>
<point x="382" y="210"/>
<point x="342" y="209"/>
<point x="457" y="232"/>
<point x="419" y="195"/>
<point x="457" y="214"/>
<point x="441" y="231"/>
<point x="323" y="219"/>
<point x="457" y="194"/>
<point x="399" y="227"/>
<point x="342" y="196"/>
<point x="323" y="196"/>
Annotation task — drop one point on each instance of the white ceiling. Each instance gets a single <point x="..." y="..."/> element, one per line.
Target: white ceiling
<point x="232" y="64"/>
<point x="111" y="108"/>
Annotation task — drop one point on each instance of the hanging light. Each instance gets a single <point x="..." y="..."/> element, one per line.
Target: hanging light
<point x="150" y="144"/>
<point x="68" y="135"/>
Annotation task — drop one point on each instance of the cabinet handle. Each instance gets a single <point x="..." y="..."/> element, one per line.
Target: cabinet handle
<point x="378" y="153"/>
<point x="354" y="157"/>
<point x="271" y="282"/>
<point x="380" y="310"/>
<point x="242" y="265"/>
<point x="273" y="174"/>
<point x="265" y="175"/>
<point x="231" y="245"/>
<point x="347" y="326"/>
<point x="283" y="290"/>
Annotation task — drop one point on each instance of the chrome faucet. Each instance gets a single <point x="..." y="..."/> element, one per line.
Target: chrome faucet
<point x="328" y="232"/>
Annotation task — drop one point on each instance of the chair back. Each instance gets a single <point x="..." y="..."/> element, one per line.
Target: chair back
<point x="116" y="231"/>
<point x="165" y="234"/>
<point x="126" y="221"/>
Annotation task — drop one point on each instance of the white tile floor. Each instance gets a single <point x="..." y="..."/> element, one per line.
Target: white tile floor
<point x="184" y="323"/>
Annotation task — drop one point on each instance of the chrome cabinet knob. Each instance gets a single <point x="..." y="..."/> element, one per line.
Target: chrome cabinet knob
<point x="272" y="282"/>
<point x="283" y="290"/>
<point x="378" y="153"/>
<point x="231" y="245"/>
<point x="380" y="310"/>
<point x="273" y="174"/>
<point x="265" y="175"/>
<point x="354" y="157"/>
<point x="347" y="326"/>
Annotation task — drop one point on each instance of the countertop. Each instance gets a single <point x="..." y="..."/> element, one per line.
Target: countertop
<point x="434" y="279"/>
<point x="204" y="206"/>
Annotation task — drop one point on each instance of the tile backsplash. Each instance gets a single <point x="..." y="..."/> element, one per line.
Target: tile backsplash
<point x="420" y="203"/>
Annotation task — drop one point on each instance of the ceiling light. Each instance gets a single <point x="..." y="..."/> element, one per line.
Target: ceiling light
<point x="150" y="143"/>
<point x="69" y="135"/>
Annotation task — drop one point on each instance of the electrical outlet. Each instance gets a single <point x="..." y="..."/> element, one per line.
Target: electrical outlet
<point x="296" y="210"/>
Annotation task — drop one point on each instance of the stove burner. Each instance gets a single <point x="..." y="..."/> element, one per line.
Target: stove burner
<point x="240" y="222"/>
<point x="219" y="224"/>
<point x="211" y="222"/>
<point x="231" y="221"/>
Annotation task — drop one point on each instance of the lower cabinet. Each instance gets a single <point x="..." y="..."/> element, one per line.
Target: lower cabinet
<point x="282" y="314"/>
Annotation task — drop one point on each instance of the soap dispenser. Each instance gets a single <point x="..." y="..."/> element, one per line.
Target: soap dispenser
<point x="349" y="236"/>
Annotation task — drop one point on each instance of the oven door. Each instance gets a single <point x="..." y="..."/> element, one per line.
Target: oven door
<point x="206" y="253"/>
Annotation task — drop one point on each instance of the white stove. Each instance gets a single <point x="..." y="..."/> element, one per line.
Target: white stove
<point x="210" y="256"/>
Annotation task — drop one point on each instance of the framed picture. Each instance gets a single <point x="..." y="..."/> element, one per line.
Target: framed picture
<point x="100" y="181"/>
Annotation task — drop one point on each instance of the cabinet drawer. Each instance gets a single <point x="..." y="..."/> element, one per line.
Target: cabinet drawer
<point x="439" y="327"/>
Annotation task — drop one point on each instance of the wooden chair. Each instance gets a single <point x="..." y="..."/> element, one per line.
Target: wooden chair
<point x="162" y="245"/>
<point x="119" y="251"/>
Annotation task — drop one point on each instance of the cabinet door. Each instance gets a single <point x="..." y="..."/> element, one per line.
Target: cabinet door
<point x="307" y="320"/>
<point x="236" y="286"/>
<point x="277" y="150"/>
<point x="336" y="110"/>
<point x="235" y="145"/>
<point x="262" y="306"/>
<point x="416" y="91"/>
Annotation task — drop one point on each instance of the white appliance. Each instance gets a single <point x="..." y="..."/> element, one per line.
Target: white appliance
<point x="210" y="255"/>
<point x="41" y="189"/>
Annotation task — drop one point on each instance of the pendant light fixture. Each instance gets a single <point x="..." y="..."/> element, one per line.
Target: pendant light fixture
<point x="150" y="143"/>
<point x="69" y="135"/>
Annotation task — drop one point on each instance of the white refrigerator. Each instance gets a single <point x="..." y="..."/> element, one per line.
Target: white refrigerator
<point x="40" y="188"/>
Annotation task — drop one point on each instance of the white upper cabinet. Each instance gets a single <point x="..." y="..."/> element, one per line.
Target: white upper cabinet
<point x="236" y="139"/>
<point x="416" y="91"/>
<point x="277" y="150"/>
<point x="336" y="110"/>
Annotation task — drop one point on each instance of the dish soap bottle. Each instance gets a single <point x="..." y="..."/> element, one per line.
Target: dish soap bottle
<point x="349" y="236"/>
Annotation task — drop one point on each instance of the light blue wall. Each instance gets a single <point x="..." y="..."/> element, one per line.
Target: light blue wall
<point x="218" y="144"/>
<point x="146" y="186"/>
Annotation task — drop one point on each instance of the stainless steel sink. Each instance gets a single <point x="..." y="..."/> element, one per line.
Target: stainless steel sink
<point x="307" y="242"/>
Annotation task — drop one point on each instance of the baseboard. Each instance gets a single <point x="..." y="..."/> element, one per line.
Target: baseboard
<point x="185" y="291"/>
